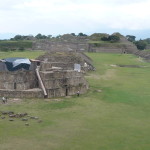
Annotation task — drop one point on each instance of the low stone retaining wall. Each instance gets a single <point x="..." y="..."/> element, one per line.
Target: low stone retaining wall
<point x="18" y="80"/>
<point x="35" y="93"/>
<point x="59" y="45"/>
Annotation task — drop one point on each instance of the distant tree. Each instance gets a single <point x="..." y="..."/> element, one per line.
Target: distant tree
<point x="49" y="36"/>
<point x="105" y="38"/>
<point x="73" y="34"/>
<point x="98" y="36"/>
<point x="113" y="38"/>
<point x="81" y="34"/>
<point x="44" y="37"/>
<point x="131" y="38"/>
<point x="147" y="40"/>
<point x="141" y="44"/>
<point x="18" y="37"/>
<point x="22" y="37"/>
<point x="58" y="36"/>
<point x="40" y="36"/>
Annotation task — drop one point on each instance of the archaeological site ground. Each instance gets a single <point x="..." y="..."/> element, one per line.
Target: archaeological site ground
<point x="111" y="113"/>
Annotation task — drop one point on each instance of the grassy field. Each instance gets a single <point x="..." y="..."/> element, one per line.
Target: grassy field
<point x="25" y="54"/>
<point x="147" y="50"/>
<point x="114" y="118"/>
<point x="12" y="45"/>
<point x="105" y="43"/>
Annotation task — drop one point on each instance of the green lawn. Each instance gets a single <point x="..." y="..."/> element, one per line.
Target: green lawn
<point x="147" y="50"/>
<point x="117" y="118"/>
<point x="12" y="45"/>
<point x="26" y="54"/>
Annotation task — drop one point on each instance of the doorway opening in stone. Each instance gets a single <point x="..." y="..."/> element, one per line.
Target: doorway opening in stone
<point x="15" y="86"/>
<point x="66" y="90"/>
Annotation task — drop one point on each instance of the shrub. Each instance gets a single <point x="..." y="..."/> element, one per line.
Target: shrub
<point x="21" y="49"/>
<point x="141" y="45"/>
<point x="113" y="38"/>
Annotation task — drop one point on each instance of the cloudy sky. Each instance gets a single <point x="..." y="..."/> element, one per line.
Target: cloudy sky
<point x="73" y="16"/>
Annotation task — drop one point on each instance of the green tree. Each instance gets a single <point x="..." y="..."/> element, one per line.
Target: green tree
<point x="49" y="36"/>
<point x="141" y="44"/>
<point x="18" y="37"/>
<point x="114" y="38"/>
<point x="40" y="36"/>
<point x="73" y="34"/>
<point x="105" y="38"/>
<point x="131" y="38"/>
<point x="81" y="34"/>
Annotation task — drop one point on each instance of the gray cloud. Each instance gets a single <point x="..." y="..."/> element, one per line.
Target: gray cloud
<point x="65" y="16"/>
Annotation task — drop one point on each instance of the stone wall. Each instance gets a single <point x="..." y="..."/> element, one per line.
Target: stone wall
<point x="24" y="84"/>
<point x="143" y="54"/>
<point x="59" y="78"/>
<point x="112" y="47"/>
<point x="35" y="93"/>
<point x="63" y="83"/>
<point x="59" y="45"/>
<point x="107" y="50"/>
<point x="18" y="80"/>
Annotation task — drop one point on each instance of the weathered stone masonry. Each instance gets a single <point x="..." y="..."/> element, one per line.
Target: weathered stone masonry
<point x="24" y="84"/>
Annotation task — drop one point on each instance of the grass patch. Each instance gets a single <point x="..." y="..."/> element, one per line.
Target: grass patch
<point x="14" y="45"/>
<point x="147" y="50"/>
<point x="106" y="44"/>
<point x="57" y="105"/>
<point x="26" y="54"/>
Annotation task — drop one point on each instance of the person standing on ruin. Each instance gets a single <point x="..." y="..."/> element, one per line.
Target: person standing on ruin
<point x="3" y="99"/>
<point x="78" y="93"/>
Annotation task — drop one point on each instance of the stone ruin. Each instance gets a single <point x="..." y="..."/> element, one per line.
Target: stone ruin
<point x="72" y="43"/>
<point x="45" y="78"/>
<point x="66" y="42"/>
<point x="122" y="47"/>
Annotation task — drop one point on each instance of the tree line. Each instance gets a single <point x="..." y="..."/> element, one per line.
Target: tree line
<point x="140" y="44"/>
<point x="40" y="36"/>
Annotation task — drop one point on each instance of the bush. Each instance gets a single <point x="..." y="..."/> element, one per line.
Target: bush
<point x="141" y="45"/>
<point x="98" y="36"/>
<point x="5" y="49"/>
<point x="12" y="45"/>
<point x="131" y="38"/>
<point x="21" y="49"/>
<point x="104" y="38"/>
<point x="113" y="38"/>
<point x="81" y="34"/>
